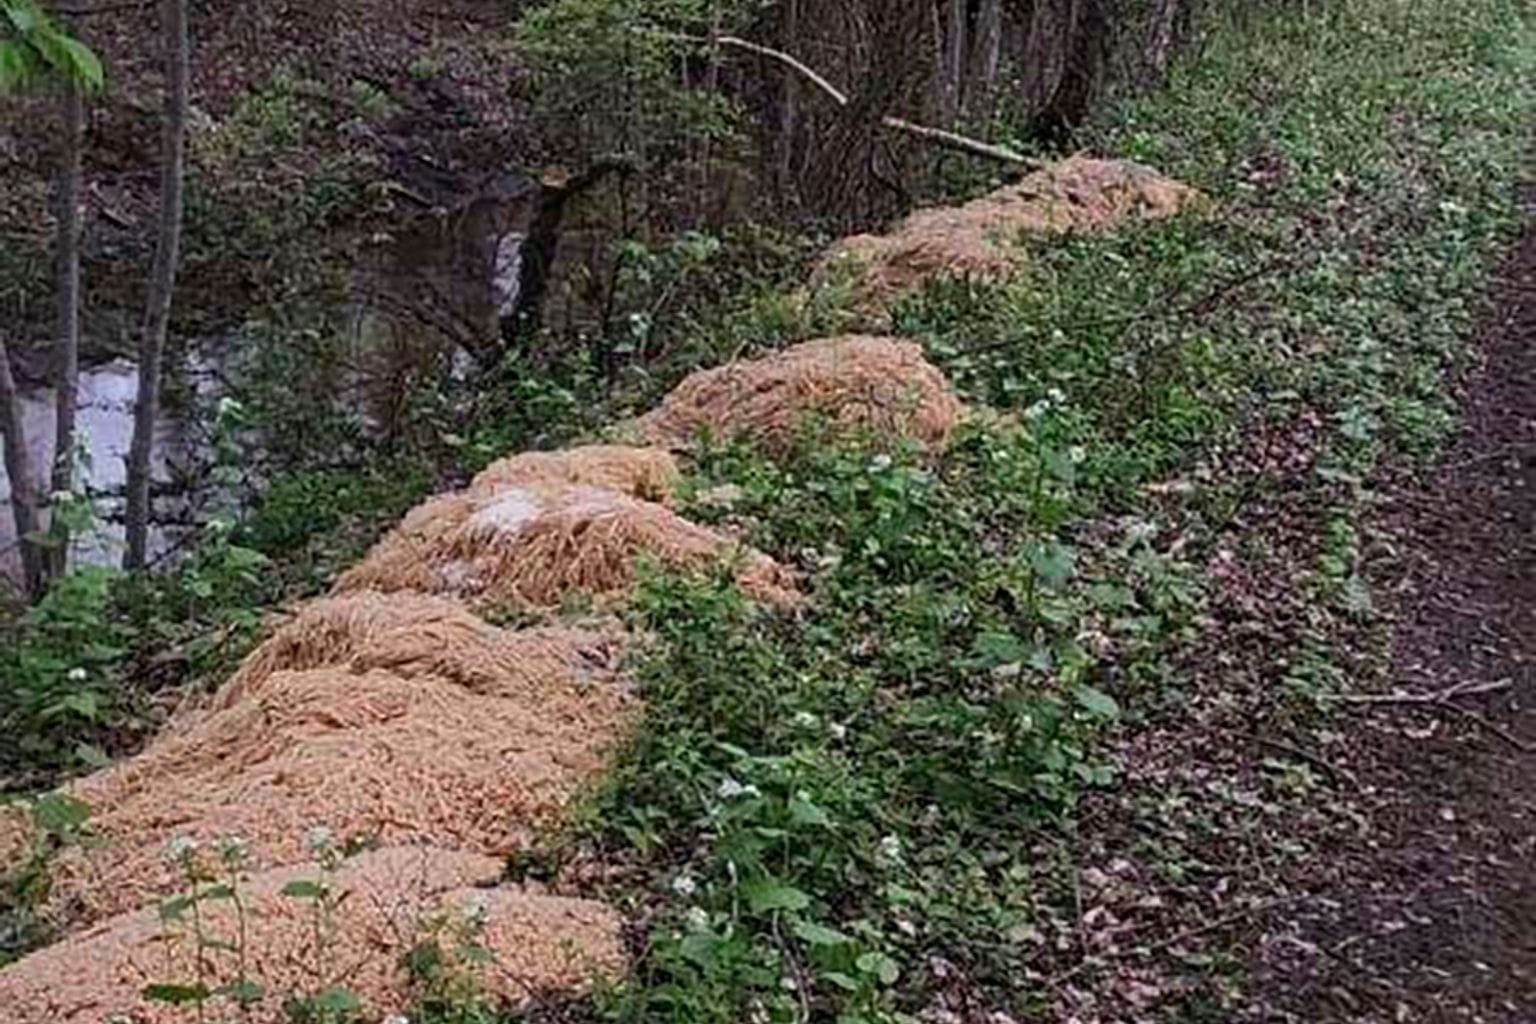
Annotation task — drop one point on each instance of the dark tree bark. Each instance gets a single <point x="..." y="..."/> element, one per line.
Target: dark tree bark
<point x="18" y="468"/>
<point x="162" y="281"/>
<point x="66" y="358"/>
<point x="1087" y="44"/>
<point x="986" y="58"/>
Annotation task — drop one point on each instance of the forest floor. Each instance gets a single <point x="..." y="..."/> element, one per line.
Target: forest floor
<point x="1433" y="916"/>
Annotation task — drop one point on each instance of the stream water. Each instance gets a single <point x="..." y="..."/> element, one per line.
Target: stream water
<point x="105" y="429"/>
<point x="473" y="260"/>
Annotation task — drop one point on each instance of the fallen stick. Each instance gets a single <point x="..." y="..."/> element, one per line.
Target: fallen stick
<point x="1436" y="697"/>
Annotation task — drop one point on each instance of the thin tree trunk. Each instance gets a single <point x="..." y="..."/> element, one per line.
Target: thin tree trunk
<point x="789" y="121"/>
<point x="66" y="356"/>
<point x="987" y="57"/>
<point x="954" y="60"/>
<point x="162" y="281"/>
<point x="18" y="468"/>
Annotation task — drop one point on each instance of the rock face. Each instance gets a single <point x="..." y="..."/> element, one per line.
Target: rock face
<point x="978" y="239"/>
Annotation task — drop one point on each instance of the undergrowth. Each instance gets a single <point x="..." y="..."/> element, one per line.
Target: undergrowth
<point x="850" y="815"/>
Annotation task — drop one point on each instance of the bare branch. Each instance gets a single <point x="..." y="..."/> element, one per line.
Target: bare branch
<point x="937" y="136"/>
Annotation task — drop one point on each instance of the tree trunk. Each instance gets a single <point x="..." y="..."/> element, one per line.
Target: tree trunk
<point x="986" y="58"/>
<point x="951" y="48"/>
<point x="162" y="281"/>
<point x="789" y="119"/>
<point x="19" y="469"/>
<point x="66" y="356"/>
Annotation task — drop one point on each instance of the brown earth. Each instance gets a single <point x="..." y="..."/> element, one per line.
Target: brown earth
<point x="1431" y="916"/>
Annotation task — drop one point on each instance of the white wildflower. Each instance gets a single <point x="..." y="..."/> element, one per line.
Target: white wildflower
<point x="698" y="919"/>
<point x="234" y="848"/>
<point x="880" y="463"/>
<point x="684" y="885"/>
<point x="477" y="907"/>
<point x="1056" y="396"/>
<point x="805" y="720"/>
<point x="890" y="848"/>
<point x="180" y="848"/>
<point x="838" y="730"/>
<point x="730" y="789"/>
<point x="1078" y="454"/>
<point x="318" y="839"/>
<point x="76" y="675"/>
<point x="396" y="1018"/>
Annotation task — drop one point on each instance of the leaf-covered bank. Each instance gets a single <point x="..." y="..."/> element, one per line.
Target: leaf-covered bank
<point x="1053" y="700"/>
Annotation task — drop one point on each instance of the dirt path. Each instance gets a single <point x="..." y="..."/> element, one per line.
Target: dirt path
<point x="1431" y="915"/>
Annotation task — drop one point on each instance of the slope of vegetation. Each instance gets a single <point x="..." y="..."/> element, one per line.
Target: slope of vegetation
<point x="892" y="806"/>
<point x="874" y="812"/>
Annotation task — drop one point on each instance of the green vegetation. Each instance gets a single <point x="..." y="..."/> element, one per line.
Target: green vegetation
<point x="819" y="811"/>
<point x="837" y="815"/>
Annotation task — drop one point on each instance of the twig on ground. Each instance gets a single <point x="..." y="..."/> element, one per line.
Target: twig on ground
<point x="1446" y="699"/>
<point x="1334" y="772"/>
<point x="1481" y="720"/>
<point x="1463" y="689"/>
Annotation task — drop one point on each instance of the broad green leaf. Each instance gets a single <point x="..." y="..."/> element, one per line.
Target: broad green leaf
<point x="176" y="995"/>
<point x="304" y="889"/>
<point x="819" y="934"/>
<point x="91" y="755"/>
<point x="769" y="894"/>
<point x="23" y="16"/>
<point x="1098" y="703"/>
<point x="879" y="965"/>
<point x="241" y="992"/>
<point x="60" y="814"/>
<point x="337" y="1000"/>
<point x="803" y="812"/>
<point x="84" y="65"/>
<point x="174" y="908"/>
<point x="17" y="68"/>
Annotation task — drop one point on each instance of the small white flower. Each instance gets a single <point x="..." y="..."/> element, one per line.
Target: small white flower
<point x="396" y="1018"/>
<point x="76" y="675"/>
<point x="234" y="847"/>
<point x="318" y="839"/>
<point x="838" y="730"/>
<point x="477" y="907"/>
<point x="684" y="885"/>
<point x="1077" y="453"/>
<point x="698" y="919"/>
<point x="788" y="984"/>
<point x="805" y="720"/>
<point x="180" y="848"/>
<point x="880" y="463"/>
<point x="1056" y="396"/>
<point x="730" y="789"/>
<point x="890" y="848"/>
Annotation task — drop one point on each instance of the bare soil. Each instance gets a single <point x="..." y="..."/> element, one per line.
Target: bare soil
<point x="1430" y="913"/>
